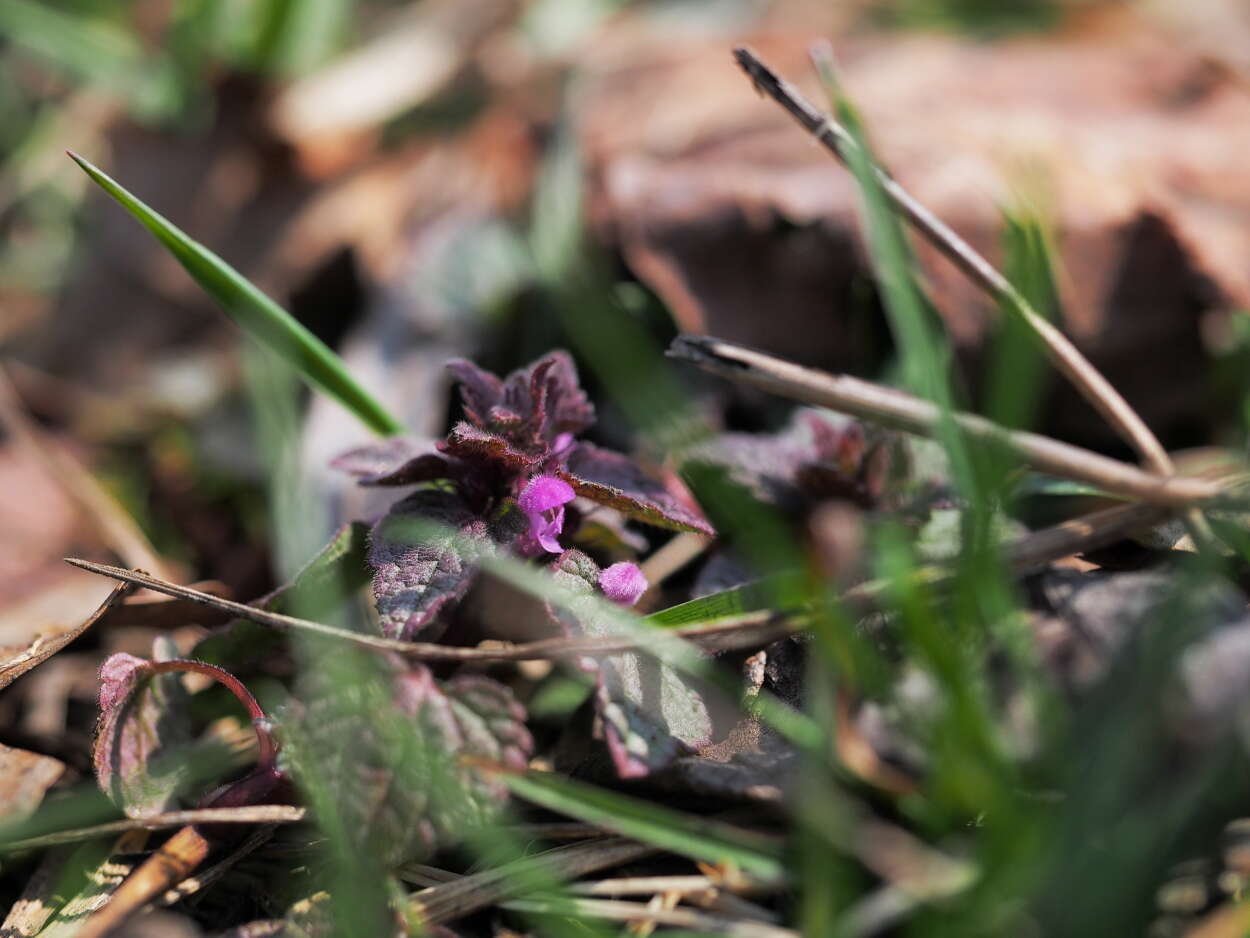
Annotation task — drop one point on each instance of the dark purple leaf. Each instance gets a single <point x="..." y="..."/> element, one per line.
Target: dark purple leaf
<point x="144" y="722"/>
<point x="398" y="461"/>
<point x="646" y="713"/>
<point x="618" y="482"/>
<point x="418" y="573"/>
<point x="479" y="390"/>
<point x="474" y="445"/>
<point x="568" y="408"/>
<point x="532" y="406"/>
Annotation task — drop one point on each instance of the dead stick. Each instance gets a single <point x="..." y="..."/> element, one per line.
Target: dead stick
<point x="1063" y="354"/>
<point x="250" y="814"/>
<point x="176" y="859"/>
<point x="897" y="409"/>
<point x="751" y="629"/>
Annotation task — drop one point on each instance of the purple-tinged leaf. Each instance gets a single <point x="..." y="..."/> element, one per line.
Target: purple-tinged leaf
<point x="474" y="445"/>
<point x="646" y="713"/>
<point x="568" y="408"/>
<point x="479" y="390"/>
<point x="649" y="714"/>
<point x="532" y="407"/>
<point x="398" y="461"/>
<point x="618" y="482"/>
<point x="416" y="573"/>
<point x="467" y="716"/>
<point x="819" y="455"/>
<point x="382" y="754"/>
<point x="144" y="719"/>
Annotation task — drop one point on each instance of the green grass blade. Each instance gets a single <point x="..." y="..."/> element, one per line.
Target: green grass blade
<point x="695" y="837"/>
<point x="260" y="316"/>
<point x="780" y="592"/>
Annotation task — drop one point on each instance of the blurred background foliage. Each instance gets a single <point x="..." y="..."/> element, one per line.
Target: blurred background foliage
<point x="419" y="181"/>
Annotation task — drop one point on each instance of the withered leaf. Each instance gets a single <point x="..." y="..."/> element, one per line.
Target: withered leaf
<point x="417" y="573"/>
<point x="24" y="779"/>
<point x="618" y="482"/>
<point x="725" y="208"/>
<point x="27" y="640"/>
<point x="144" y="722"/>
<point x="646" y="712"/>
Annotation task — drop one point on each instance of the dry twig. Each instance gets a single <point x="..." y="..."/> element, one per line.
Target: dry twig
<point x="618" y="911"/>
<point x="902" y="411"/>
<point x="1062" y="353"/>
<point x="253" y="814"/>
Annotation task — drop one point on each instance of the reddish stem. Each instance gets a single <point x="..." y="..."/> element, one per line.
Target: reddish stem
<point x="266" y="746"/>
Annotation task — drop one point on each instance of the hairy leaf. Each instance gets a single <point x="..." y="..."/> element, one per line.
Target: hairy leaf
<point x="144" y="720"/>
<point x="618" y="482"/>
<point x="532" y="406"/>
<point x="416" y="574"/>
<point x="475" y="445"/>
<point x="381" y="751"/>
<point x="401" y="460"/>
<point x="480" y="391"/>
<point x="646" y="712"/>
<point x="819" y="455"/>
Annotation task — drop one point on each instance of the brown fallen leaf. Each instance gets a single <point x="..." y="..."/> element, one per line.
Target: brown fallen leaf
<point x="36" y="630"/>
<point x="746" y="229"/>
<point x="24" y="779"/>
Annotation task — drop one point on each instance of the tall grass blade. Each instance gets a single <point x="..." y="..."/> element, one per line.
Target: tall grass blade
<point x="695" y="837"/>
<point x="260" y="316"/>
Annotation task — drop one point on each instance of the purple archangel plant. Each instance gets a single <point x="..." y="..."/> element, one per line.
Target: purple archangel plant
<point x="143" y="738"/>
<point x="397" y="768"/>
<point x="502" y="478"/>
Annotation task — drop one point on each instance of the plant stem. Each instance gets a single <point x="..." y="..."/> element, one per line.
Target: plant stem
<point x="266" y="746"/>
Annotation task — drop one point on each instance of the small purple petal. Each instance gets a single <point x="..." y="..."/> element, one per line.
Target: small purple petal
<point x="623" y="583"/>
<point x="548" y="537"/>
<point x="543" y="502"/>
<point x="544" y="493"/>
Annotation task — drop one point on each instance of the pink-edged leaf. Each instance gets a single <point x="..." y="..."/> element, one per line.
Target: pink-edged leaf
<point x="383" y="755"/>
<point x="819" y="455"/>
<point x="144" y="722"/>
<point x="474" y="445"/>
<point x="467" y="716"/>
<point x="479" y="390"/>
<point x="618" y="482"/>
<point x="416" y="573"/>
<point x="646" y="713"/>
<point x="397" y="461"/>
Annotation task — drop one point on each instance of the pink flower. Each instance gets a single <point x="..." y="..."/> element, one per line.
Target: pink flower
<point x="623" y="583"/>
<point x="543" y="502"/>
